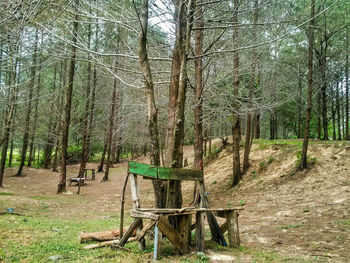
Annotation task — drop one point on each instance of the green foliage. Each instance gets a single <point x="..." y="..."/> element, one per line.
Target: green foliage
<point x="202" y="257"/>
<point x="262" y="165"/>
<point x="74" y="153"/>
<point x="213" y="154"/>
<point x="271" y="159"/>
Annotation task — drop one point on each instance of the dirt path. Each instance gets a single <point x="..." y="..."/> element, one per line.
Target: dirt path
<point x="96" y="199"/>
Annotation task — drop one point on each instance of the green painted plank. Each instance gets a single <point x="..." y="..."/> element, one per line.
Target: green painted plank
<point x="165" y="173"/>
<point x="143" y="169"/>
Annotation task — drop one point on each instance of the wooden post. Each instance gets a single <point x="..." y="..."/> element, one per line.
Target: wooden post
<point x="200" y="231"/>
<point x="185" y="227"/>
<point x="232" y="227"/>
<point x="157" y="239"/>
<point x="131" y="229"/>
<point x="173" y="235"/>
<point x="136" y="205"/>
<point x="216" y="234"/>
<point x="79" y="184"/>
<point x="121" y="226"/>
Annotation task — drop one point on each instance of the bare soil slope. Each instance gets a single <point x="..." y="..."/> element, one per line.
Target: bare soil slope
<point x="296" y="213"/>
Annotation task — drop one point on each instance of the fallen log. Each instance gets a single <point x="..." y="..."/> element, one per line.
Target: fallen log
<point x="100" y="236"/>
<point x="113" y="243"/>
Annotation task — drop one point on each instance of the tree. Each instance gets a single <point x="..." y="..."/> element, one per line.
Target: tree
<point x="67" y="110"/>
<point x="236" y="83"/>
<point x="177" y="97"/>
<point x="303" y="160"/>
<point x="252" y="82"/>
<point x="111" y="123"/>
<point x="152" y="111"/>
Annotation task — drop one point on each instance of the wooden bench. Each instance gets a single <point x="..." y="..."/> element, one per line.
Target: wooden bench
<point x="92" y="173"/>
<point x="181" y="236"/>
<point x="79" y="181"/>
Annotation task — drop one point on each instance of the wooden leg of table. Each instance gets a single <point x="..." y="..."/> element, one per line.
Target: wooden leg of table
<point x="187" y="230"/>
<point x="173" y="235"/>
<point x="157" y="241"/>
<point x="200" y="231"/>
<point x="232" y="228"/>
<point x="128" y="233"/>
<point x="140" y="243"/>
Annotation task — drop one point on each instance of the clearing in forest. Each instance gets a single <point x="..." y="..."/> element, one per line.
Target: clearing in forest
<point x="289" y="215"/>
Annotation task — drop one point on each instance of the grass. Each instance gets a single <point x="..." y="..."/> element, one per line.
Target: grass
<point x="345" y="222"/>
<point x="293" y="143"/>
<point x="7" y="194"/>
<point x="290" y="226"/>
<point x="37" y="238"/>
<point x="264" y="144"/>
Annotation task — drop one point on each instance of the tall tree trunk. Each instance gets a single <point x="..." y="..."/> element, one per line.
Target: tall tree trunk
<point x="257" y="125"/>
<point x="102" y="161"/>
<point x="324" y="102"/>
<point x="338" y="111"/>
<point x="334" y="115"/>
<point x="323" y="68"/>
<point x="248" y="135"/>
<point x="9" y="115"/>
<point x="58" y="120"/>
<point x="152" y="111"/>
<point x="93" y="97"/>
<point x="35" y="119"/>
<point x="61" y="187"/>
<point x="299" y="106"/>
<point x="236" y="107"/>
<point x="111" y="123"/>
<point x="347" y="134"/>
<point x="198" y="97"/>
<point x="273" y="125"/>
<point x="177" y="97"/>
<point x="85" y="144"/>
<point x="303" y="160"/>
<point x="51" y="127"/>
<point x="29" y="106"/>
<point x="319" y="126"/>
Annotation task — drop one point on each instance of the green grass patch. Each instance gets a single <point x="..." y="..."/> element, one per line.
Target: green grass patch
<point x="7" y="194"/>
<point x="35" y="239"/>
<point x="42" y="197"/>
<point x="345" y="222"/>
<point x="264" y="144"/>
<point x="290" y="226"/>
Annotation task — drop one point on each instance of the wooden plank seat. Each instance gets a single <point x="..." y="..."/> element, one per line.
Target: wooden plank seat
<point x="92" y="173"/>
<point x="159" y="217"/>
<point x="76" y="180"/>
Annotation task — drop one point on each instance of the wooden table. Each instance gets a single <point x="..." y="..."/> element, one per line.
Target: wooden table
<point x="92" y="173"/>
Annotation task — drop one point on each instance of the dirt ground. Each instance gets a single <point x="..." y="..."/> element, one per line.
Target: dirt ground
<point x="296" y="214"/>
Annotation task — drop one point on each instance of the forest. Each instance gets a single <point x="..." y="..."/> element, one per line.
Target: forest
<point x="210" y="85"/>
